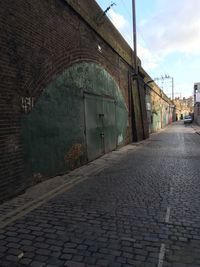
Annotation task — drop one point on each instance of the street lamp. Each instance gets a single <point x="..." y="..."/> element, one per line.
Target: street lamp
<point x="134" y="37"/>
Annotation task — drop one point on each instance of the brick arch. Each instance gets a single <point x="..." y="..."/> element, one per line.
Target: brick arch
<point x="61" y="63"/>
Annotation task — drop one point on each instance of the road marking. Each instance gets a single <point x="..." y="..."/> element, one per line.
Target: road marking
<point x="21" y="211"/>
<point x="161" y="255"/>
<point x="97" y="167"/>
<point x="167" y="214"/>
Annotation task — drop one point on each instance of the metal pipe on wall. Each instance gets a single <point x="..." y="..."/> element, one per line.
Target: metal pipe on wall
<point x="134" y="38"/>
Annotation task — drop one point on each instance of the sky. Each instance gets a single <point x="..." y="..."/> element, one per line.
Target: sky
<point x="168" y="39"/>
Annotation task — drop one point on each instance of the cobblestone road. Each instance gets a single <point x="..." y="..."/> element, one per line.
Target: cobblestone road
<point x="143" y="210"/>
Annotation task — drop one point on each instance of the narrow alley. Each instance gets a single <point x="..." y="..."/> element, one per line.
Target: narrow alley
<point x="142" y="209"/>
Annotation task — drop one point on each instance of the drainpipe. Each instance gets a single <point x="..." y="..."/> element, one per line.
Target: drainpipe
<point x="135" y="64"/>
<point x="131" y="108"/>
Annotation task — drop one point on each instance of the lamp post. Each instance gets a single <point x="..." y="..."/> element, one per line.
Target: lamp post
<point x="137" y="78"/>
<point x="134" y="38"/>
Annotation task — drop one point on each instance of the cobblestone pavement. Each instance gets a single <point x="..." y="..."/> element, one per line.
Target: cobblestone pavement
<point x="141" y="209"/>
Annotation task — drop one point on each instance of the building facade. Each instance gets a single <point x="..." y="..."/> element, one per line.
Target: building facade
<point x="184" y="107"/>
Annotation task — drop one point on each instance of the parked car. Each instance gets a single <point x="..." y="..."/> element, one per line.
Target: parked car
<point x="188" y="119"/>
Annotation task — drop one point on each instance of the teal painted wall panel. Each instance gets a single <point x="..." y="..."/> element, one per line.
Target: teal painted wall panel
<point x="53" y="133"/>
<point x="156" y="121"/>
<point x="121" y="121"/>
<point x="54" y="124"/>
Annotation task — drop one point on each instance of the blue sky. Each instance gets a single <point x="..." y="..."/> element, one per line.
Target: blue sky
<point x="168" y="38"/>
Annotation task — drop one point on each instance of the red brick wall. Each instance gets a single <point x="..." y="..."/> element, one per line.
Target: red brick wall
<point x="38" y="40"/>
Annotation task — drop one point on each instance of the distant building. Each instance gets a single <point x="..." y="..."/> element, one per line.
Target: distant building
<point x="183" y="107"/>
<point x="197" y="102"/>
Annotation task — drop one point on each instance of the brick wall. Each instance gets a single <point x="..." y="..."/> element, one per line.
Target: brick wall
<point x="38" y="40"/>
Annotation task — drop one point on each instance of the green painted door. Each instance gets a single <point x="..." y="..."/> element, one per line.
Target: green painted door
<point x="100" y="123"/>
<point x="109" y="124"/>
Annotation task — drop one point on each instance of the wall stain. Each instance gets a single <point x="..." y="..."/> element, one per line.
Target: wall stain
<point x="75" y="155"/>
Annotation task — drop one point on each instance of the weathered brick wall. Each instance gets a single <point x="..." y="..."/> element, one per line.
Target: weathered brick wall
<point x="161" y="108"/>
<point x="38" y="40"/>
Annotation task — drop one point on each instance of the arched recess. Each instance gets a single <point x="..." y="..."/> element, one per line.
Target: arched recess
<point x="55" y="134"/>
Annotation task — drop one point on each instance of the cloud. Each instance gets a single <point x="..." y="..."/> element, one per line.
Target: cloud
<point x="149" y="61"/>
<point x="122" y="25"/>
<point x="118" y="20"/>
<point x="173" y="28"/>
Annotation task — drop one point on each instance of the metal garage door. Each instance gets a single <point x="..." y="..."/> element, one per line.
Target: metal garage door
<point x="100" y="123"/>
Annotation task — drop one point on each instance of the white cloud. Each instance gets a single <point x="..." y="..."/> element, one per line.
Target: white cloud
<point x="122" y="25"/>
<point x="149" y="61"/>
<point x="118" y="20"/>
<point x="173" y="28"/>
